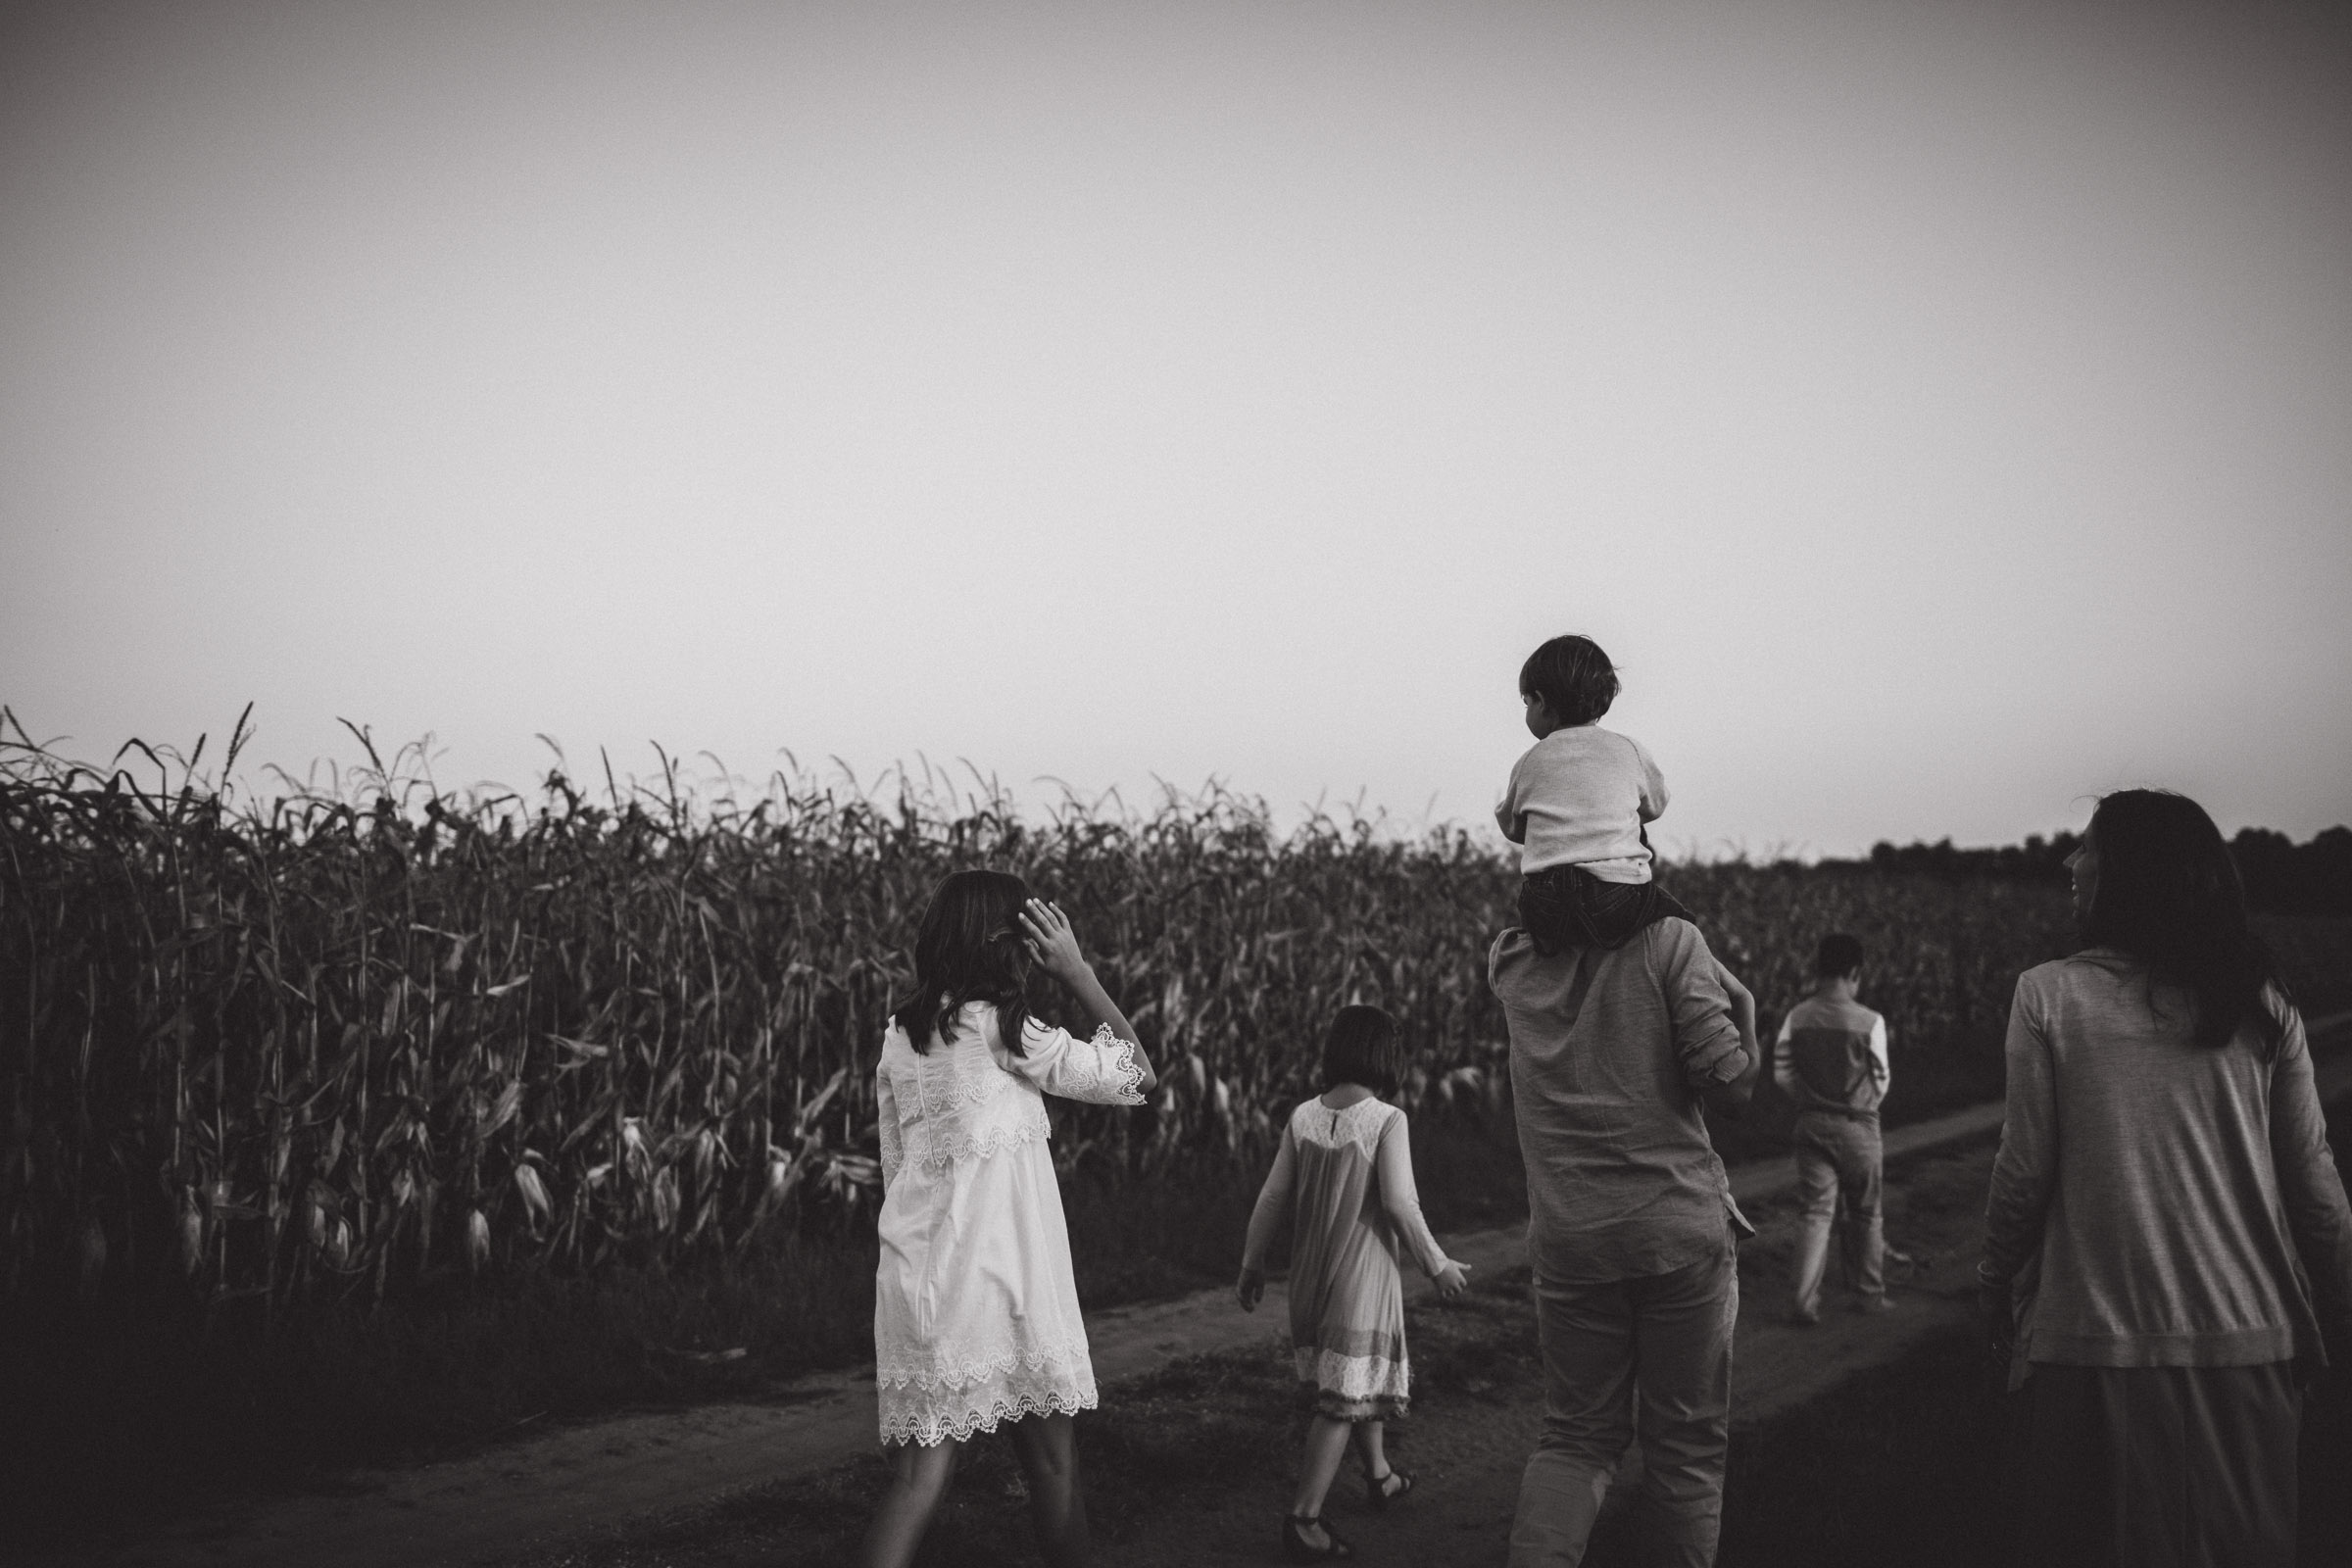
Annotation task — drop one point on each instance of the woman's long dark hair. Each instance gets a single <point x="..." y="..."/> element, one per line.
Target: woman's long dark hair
<point x="969" y="948"/>
<point x="2166" y="891"/>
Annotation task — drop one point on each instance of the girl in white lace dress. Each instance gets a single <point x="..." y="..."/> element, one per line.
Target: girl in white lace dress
<point x="976" y="1317"/>
<point x="1343" y="1181"/>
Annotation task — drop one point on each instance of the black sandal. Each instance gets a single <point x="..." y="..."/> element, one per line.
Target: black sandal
<point x="1379" y="1492"/>
<point x="1297" y="1548"/>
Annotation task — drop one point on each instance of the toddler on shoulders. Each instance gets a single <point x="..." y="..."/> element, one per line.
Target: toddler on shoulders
<point x="1577" y="804"/>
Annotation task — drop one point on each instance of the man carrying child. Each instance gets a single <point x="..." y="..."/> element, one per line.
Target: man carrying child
<point x="1831" y="1058"/>
<point x="1622" y="1027"/>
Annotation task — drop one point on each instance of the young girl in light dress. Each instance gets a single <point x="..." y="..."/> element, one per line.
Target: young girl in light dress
<point x="1343" y="1181"/>
<point x="975" y="1309"/>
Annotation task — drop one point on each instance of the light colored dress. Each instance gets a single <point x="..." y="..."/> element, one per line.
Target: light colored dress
<point x="1344" y="1180"/>
<point x="975" y="1309"/>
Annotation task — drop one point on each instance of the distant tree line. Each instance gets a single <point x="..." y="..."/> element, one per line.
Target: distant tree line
<point x="2282" y="877"/>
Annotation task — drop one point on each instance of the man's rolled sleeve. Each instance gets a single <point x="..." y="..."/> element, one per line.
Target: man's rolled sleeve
<point x="1705" y="1040"/>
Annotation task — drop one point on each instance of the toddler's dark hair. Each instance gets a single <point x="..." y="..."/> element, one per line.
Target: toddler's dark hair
<point x="1837" y="957"/>
<point x="1572" y="675"/>
<point x="969" y="948"/>
<point x="1362" y="1047"/>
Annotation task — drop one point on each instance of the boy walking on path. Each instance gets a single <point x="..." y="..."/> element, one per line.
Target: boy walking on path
<point x="1831" y="1058"/>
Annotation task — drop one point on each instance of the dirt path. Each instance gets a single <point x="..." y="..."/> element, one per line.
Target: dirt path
<point x="523" y="1498"/>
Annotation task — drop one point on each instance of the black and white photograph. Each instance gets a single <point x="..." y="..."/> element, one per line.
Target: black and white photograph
<point x="963" y="783"/>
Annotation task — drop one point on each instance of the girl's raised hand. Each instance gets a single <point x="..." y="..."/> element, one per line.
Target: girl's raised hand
<point x="1051" y="942"/>
<point x="1054" y="948"/>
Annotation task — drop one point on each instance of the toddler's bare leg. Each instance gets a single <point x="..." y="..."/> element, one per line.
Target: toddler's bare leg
<point x="1048" y="1449"/>
<point x="918" y="1485"/>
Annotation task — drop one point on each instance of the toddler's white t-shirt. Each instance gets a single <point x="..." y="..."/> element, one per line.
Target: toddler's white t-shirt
<point x="1579" y="797"/>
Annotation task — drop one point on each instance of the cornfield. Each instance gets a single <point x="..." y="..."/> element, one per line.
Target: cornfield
<point x="330" y="1043"/>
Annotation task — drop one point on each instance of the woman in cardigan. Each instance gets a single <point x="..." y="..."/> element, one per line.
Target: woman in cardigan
<point x="2163" y="1167"/>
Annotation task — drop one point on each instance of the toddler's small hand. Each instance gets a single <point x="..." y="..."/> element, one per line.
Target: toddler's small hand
<point x="1249" y="1290"/>
<point x="1452" y="1279"/>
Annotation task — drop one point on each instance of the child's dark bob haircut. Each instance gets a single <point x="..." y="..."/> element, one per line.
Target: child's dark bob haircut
<point x="1573" y="677"/>
<point x="1362" y="1047"/>
<point x="1839" y="955"/>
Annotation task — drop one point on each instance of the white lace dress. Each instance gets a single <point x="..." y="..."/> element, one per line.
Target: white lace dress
<point x="975" y="1309"/>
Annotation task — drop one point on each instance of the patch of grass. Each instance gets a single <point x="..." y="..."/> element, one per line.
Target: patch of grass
<point x="124" y="1410"/>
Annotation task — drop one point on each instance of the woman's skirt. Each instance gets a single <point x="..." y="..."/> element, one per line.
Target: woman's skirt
<point x="2158" y="1466"/>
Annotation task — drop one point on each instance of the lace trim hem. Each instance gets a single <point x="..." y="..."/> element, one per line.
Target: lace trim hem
<point x="926" y="1418"/>
<point x="1354" y="1377"/>
<point x="1070" y="1360"/>
<point x="929" y="1428"/>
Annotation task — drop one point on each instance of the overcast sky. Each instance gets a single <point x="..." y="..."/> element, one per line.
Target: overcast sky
<point x="1941" y="411"/>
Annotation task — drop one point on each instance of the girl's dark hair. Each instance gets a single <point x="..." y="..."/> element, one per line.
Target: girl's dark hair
<point x="1573" y="677"/>
<point x="969" y="948"/>
<point x="1362" y="1047"/>
<point x="2165" y="891"/>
